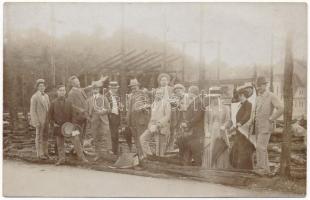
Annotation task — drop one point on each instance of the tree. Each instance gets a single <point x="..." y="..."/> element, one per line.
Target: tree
<point x="288" y="107"/>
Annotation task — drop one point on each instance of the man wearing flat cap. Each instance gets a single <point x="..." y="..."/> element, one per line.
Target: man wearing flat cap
<point x="268" y="109"/>
<point x="38" y="112"/>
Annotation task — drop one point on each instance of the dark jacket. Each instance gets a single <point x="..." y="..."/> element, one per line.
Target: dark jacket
<point x="78" y="98"/>
<point x="244" y="112"/>
<point x="60" y="111"/>
<point x="194" y="117"/>
<point x="135" y="115"/>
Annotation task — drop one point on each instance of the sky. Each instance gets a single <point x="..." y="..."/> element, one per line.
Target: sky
<point x="247" y="33"/>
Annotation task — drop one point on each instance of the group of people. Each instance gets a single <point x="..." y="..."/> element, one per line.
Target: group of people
<point x="72" y="112"/>
<point x="200" y="125"/>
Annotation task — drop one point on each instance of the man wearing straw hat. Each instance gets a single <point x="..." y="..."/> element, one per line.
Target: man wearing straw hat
<point x="60" y="112"/>
<point x="268" y="109"/>
<point x="38" y="112"/>
<point x="138" y="113"/>
<point x="114" y="115"/>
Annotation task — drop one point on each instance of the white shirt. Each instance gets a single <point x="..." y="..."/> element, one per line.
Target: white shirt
<point x="114" y="105"/>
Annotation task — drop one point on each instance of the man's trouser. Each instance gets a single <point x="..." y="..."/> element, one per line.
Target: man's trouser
<point x="114" y="132"/>
<point x="192" y="148"/>
<point x="160" y="142"/>
<point x="60" y="139"/>
<point x="261" y="151"/>
<point x="100" y="130"/>
<point x="137" y="132"/>
<point x="173" y="129"/>
<point x="82" y="124"/>
<point x="41" y="140"/>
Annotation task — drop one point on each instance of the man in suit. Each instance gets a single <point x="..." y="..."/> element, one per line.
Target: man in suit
<point x="114" y="115"/>
<point x="159" y="125"/>
<point x="138" y="113"/>
<point x="194" y="123"/>
<point x="61" y="112"/>
<point x="78" y="97"/>
<point x="268" y="108"/>
<point x="98" y="110"/>
<point x="38" y="111"/>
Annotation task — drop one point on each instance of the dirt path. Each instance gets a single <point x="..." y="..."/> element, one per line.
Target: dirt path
<point x="25" y="179"/>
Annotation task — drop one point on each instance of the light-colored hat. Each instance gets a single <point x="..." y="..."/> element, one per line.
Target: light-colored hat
<point x="178" y="86"/>
<point x="163" y="75"/>
<point x="39" y="81"/>
<point x="68" y="129"/>
<point x="133" y="82"/>
<point x="244" y="86"/>
<point x="113" y="84"/>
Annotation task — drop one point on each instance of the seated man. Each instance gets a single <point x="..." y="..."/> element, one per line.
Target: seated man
<point x="159" y="125"/>
<point x="60" y="112"/>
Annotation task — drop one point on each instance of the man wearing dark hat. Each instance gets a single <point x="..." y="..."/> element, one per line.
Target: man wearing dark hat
<point x="138" y="113"/>
<point x="268" y="109"/>
<point x="38" y="112"/>
<point x="98" y="110"/>
<point x="60" y="112"/>
<point x="114" y="115"/>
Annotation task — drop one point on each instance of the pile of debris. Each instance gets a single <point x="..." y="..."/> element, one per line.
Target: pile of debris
<point x="298" y="152"/>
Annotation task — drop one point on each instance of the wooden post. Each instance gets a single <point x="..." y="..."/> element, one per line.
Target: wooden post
<point x="123" y="71"/>
<point x="288" y="107"/>
<point x="218" y="61"/>
<point x="53" y="66"/>
<point x="183" y="62"/>
<point x="271" y="65"/>
<point x="201" y="57"/>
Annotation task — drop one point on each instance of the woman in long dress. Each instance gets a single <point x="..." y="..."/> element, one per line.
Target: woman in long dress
<point x="242" y="150"/>
<point x="216" y="143"/>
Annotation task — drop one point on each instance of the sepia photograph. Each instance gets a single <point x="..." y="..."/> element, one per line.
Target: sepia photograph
<point x="159" y="99"/>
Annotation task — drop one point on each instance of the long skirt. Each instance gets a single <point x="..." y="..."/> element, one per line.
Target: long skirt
<point x="242" y="152"/>
<point x="220" y="162"/>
